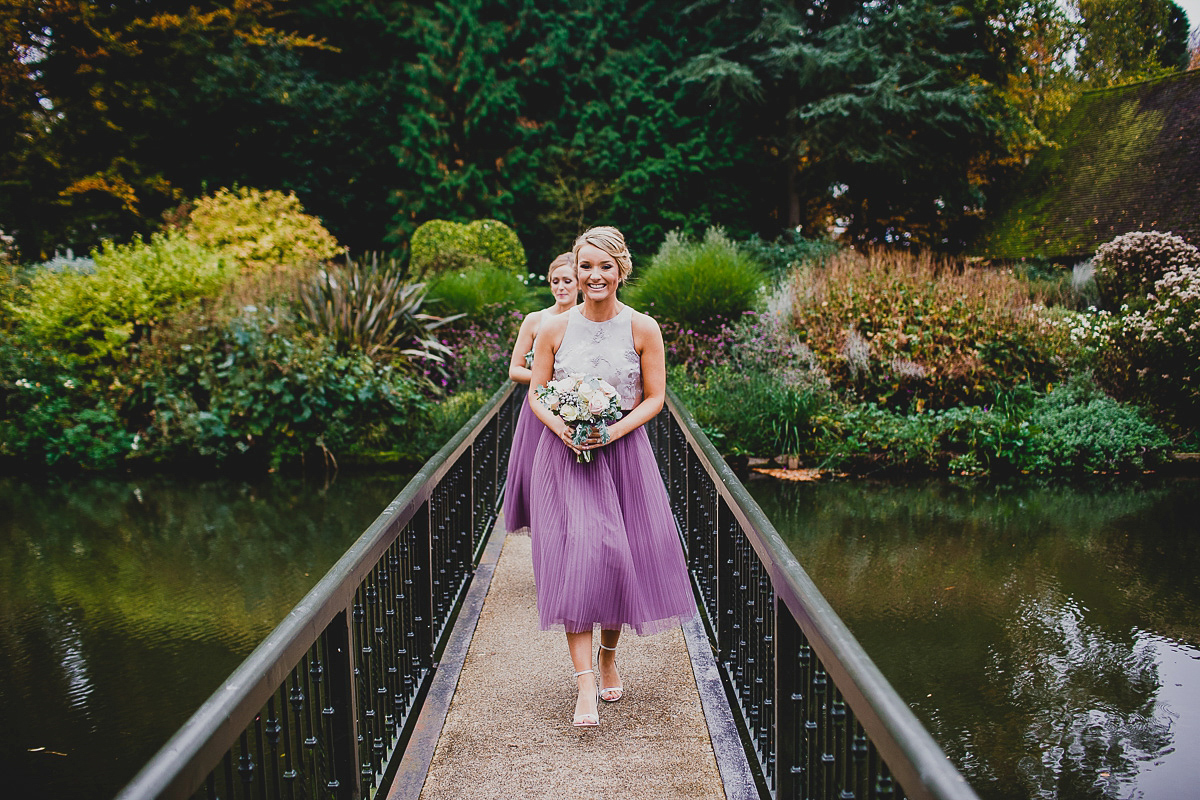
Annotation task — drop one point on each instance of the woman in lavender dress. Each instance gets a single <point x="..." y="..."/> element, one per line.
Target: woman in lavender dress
<point x="605" y="548"/>
<point x="563" y="286"/>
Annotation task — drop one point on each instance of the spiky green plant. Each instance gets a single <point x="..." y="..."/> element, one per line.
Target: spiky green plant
<point x="369" y="305"/>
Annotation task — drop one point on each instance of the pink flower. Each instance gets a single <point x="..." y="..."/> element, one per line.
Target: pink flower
<point x="598" y="403"/>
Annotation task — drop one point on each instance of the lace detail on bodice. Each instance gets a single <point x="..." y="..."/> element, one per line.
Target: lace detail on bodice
<point x="604" y="349"/>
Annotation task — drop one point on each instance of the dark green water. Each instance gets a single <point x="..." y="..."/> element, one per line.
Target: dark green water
<point x="123" y="604"/>
<point x="1049" y="637"/>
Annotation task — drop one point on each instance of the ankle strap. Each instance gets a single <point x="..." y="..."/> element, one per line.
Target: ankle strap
<point x="602" y="647"/>
<point x="585" y="672"/>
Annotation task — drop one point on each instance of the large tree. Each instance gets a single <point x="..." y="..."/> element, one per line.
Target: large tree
<point x="1126" y="40"/>
<point x="114" y="85"/>
<point x="880" y="113"/>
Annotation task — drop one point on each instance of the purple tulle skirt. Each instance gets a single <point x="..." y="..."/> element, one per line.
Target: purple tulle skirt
<point x="520" y="464"/>
<point x="605" y="548"/>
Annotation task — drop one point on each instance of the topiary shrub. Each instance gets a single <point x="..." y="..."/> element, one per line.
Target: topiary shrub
<point x="498" y="243"/>
<point x="439" y="246"/>
<point x="704" y="284"/>
<point x="1126" y="268"/>
<point x="259" y="229"/>
<point x="443" y="246"/>
<point x="134" y="287"/>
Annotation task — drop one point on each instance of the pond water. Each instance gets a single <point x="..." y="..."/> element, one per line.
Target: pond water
<point x="124" y="603"/>
<point x="1048" y="636"/>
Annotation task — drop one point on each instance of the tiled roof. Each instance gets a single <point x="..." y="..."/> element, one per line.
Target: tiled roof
<point x="1128" y="159"/>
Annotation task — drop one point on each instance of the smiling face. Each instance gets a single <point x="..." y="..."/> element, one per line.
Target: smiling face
<point x="563" y="285"/>
<point x="597" y="271"/>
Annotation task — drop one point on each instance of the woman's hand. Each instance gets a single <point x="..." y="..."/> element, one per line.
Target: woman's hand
<point x="595" y="439"/>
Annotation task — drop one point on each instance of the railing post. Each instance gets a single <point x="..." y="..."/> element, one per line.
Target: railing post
<point x="343" y="708"/>
<point x="789" y="698"/>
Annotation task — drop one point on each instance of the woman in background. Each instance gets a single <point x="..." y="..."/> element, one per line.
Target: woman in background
<point x="561" y="277"/>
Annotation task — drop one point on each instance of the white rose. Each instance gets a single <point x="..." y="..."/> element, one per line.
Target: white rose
<point x="569" y="413"/>
<point x="586" y="390"/>
<point x="597" y="404"/>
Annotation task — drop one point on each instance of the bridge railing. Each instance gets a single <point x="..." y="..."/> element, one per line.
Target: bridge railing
<point x="822" y="720"/>
<point x="322" y="706"/>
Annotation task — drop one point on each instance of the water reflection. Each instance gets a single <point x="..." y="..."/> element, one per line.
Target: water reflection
<point x="124" y="603"/>
<point x="1047" y="635"/>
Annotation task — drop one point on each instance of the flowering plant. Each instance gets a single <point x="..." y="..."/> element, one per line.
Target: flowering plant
<point x="585" y="402"/>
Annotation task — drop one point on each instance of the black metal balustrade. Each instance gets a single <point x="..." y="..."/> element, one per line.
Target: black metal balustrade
<point x="320" y="708"/>
<point x="821" y="719"/>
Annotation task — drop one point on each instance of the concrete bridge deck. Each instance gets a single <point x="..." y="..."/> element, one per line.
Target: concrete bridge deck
<point x="497" y="723"/>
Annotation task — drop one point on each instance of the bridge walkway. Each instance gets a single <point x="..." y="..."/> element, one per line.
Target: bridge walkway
<point x="507" y="731"/>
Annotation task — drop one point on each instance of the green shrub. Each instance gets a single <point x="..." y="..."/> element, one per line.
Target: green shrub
<point x="700" y="284"/>
<point x="786" y="254"/>
<point x="442" y="246"/>
<point x="259" y="229"/>
<point x="482" y="347"/>
<point x="447" y="417"/>
<point x="50" y="416"/>
<point x="1085" y="430"/>
<point x="751" y="412"/>
<point x="134" y="288"/>
<point x="439" y="246"/>
<point x="249" y="395"/>
<point x="477" y="292"/>
<point x="1074" y="428"/>
<point x="1127" y="268"/>
<point x="908" y="332"/>
<point x="369" y="306"/>
<point x="497" y="243"/>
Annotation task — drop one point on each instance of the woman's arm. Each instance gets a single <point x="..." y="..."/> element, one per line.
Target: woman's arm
<point x="517" y="371"/>
<point x="544" y="348"/>
<point x="648" y="341"/>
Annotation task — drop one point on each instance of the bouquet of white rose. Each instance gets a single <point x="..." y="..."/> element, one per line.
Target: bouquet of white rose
<point x="585" y="402"/>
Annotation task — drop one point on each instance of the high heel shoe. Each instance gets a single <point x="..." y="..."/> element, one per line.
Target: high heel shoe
<point x="585" y="720"/>
<point x="614" y="692"/>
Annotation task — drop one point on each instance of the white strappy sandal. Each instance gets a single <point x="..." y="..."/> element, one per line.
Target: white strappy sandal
<point x="585" y="720"/>
<point x="618" y="690"/>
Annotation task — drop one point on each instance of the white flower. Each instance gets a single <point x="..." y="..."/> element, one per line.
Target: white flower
<point x="68" y="384"/>
<point x="569" y="413"/>
<point x="598" y="403"/>
<point x="586" y="390"/>
<point x="24" y="384"/>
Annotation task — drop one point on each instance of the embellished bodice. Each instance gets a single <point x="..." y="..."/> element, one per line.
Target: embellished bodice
<point x="604" y="349"/>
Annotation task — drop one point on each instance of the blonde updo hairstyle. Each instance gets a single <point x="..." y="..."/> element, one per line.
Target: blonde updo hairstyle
<point x="561" y="260"/>
<point x="611" y="241"/>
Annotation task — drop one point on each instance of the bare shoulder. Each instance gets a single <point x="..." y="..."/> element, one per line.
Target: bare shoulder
<point x="645" y="325"/>
<point x="531" y="322"/>
<point x="553" y="326"/>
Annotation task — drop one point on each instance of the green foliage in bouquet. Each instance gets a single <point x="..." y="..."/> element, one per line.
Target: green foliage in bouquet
<point x="371" y="307"/>
<point x="135" y="287"/>
<point x="259" y="229"/>
<point x="697" y="283"/>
